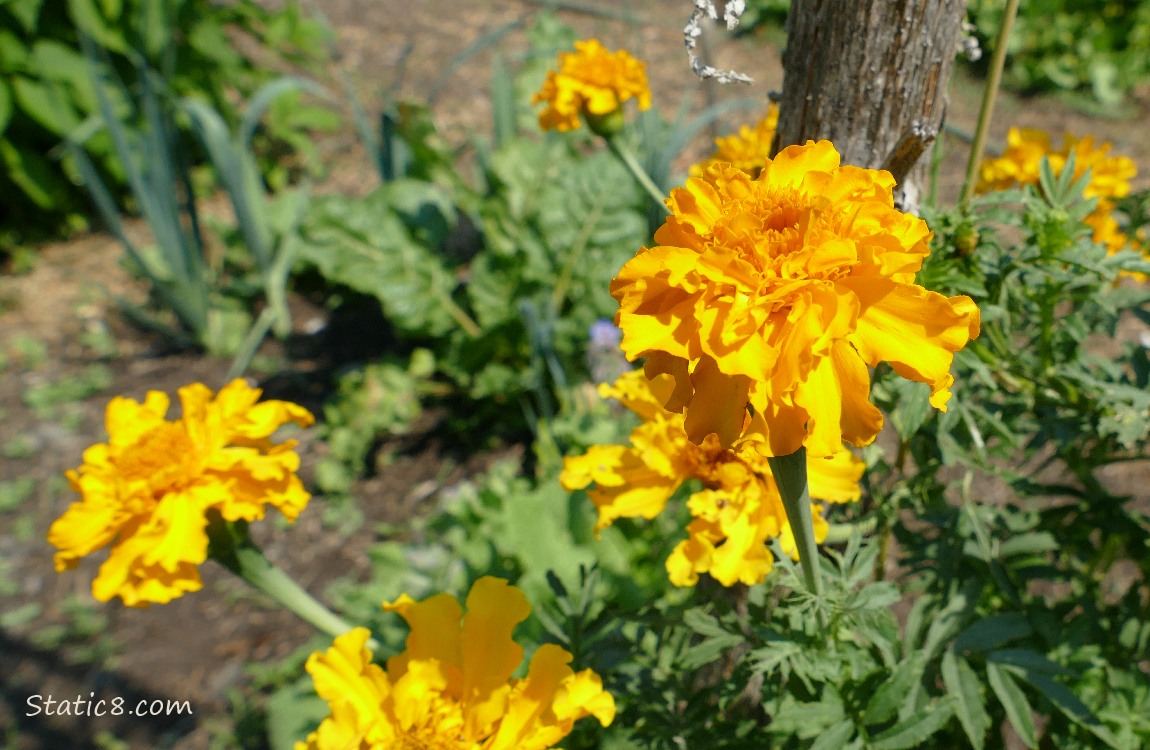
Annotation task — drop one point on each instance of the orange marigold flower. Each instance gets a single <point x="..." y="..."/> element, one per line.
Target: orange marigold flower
<point x="594" y="83"/>
<point x="739" y="508"/>
<point x="451" y="688"/>
<point x="146" y="491"/>
<point x="748" y="149"/>
<point x="778" y="292"/>
<point x="1109" y="175"/>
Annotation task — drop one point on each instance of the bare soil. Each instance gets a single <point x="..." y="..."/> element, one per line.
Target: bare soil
<point x="56" y="323"/>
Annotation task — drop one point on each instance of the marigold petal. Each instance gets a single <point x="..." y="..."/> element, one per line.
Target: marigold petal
<point x="490" y="655"/>
<point x="434" y="624"/>
<point x="719" y="404"/>
<point x="861" y="420"/>
<point x="916" y="331"/>
<point x="835" y="478"/>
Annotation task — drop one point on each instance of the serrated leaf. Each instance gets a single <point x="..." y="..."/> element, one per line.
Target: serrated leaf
<point x="1014" y="702"/>
<point x="915" y="729"/>
<point x="892" y="693"/>
<point x="969" y="706"/>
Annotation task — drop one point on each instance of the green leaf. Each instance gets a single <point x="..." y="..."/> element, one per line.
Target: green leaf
<point x="915" y="729"/>
<point x="47" y="104"/>
<point x="90" y="20"/>
<point x="993" y="631"/>
<point x="892" y="693"/>
<point x="835" y="737"/>
<point x="1025" y="660"/>
<point x="294" y="711"/>
<point x="27" y="12"/>
<point x="1014" y="702"/>
<point x="969" y="706"/>
<point x="31" y="173"/>
<point x="5" y="106"/>
<point x="363" y="244"/>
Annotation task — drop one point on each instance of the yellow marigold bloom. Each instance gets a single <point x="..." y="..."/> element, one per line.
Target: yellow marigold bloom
<point x="748" y="149"/>
<point x="778" y="292"/>
<point x="146" y="491"/>
<point x="594" y="83"/>
<point x="451" y="689"/>
<point x="739" y="508"/>
<point x="1109" y="175"/>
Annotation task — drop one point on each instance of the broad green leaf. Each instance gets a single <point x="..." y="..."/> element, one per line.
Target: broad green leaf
<point x="47" y="103"/>
<point x="27" y="12"/>
<point x="89" y="20"/>
<point x="891" y="694"/>
<point x="993" y="631"/>
<point x="1014" y="702"/>
<point x="293" y="711"/>
<point x="969" y="706"/>
<point x="915" y="730"/>
<point x="1025" y="660"/>
<point x="363" y="244"/>
<point x="31" y="173"/>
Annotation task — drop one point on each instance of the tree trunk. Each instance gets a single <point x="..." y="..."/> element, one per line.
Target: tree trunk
<point x="870" y="76"/>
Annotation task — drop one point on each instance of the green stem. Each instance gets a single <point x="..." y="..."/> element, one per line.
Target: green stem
<point x="231" y="546"/>
<point x="791" y="477"/>
<point x="993" y="79"/>
<point x="251" y="343"/>
<point x="626" y="156"/>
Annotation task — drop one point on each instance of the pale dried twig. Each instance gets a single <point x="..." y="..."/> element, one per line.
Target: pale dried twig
<point x="731" y="12"/>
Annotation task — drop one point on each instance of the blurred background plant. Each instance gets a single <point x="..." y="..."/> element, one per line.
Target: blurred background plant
<point x="47" y="95"/>
<point x="990" y="585"/>
<point x="1097" y="50"/>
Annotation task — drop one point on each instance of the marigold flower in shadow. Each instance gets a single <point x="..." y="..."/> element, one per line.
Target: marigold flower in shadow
<point x="737" y="511"/>
<point x="1109" y="175"/>
<point x="748" y="150"/>
<point x="451" y="689"/>
<point x="593" y="83"/>
<point x="146" y="491"/>
<point x="778" y="292"/>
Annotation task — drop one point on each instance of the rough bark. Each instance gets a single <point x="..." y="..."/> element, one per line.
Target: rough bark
<point x="871" y="76"/>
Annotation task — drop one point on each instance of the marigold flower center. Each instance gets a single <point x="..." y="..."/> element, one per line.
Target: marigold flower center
<point x="434" y="742"/>
<point x="160" y="457"/>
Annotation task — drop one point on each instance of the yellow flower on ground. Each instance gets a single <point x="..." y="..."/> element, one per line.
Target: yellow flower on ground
<point x="146" y="491"/>
<point x="748" y="149"/>
<point x="451" y="689"/>
<point x="594" y="83"/>
<point x="778" y="292"/>
<point x="737" y="512"/>
<point x="1109" y="175"/>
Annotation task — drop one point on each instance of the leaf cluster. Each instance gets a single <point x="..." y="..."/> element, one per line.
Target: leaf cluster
<point x="47" y="94"/>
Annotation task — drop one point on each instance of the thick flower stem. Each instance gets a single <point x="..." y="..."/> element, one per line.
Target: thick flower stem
<point x="791" y="477"/>
<point x="993" y="79"/>
<point x="231" y="546"/>
<point x="627" y="156"/>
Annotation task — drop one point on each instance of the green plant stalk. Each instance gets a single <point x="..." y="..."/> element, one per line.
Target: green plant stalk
<point x="791" y="477"/>
<point x="625" y="155"/>
<point x="231" y="545"/>
<point x="993" y="81"/>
